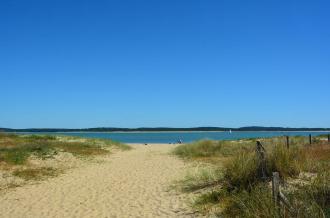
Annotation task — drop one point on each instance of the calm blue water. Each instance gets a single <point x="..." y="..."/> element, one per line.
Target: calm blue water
<point x="170" y="137"/>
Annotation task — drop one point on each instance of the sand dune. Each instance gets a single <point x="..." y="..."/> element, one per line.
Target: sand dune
<point x="132" y="183"/>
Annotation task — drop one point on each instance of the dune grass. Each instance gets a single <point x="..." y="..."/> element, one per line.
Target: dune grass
<point x="20" y="153"/>
<point x="240" y="192"/>
<point x="36" y="174"/>
<point x="16" y="149"/>
<point x="200" y="178"/>
<point x="209" y="148"/>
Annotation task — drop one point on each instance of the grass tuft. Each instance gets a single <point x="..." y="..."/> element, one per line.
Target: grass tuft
<point x="241" y="171"/>
<point x="288" y="162"/>
<point x="36" y="174"/>
<point x="200" y="178"/>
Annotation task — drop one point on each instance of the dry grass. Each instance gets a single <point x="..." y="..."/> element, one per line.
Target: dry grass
<point x="35" y="157"/>
<point x="240" y="192"/>
<point x="36" y="174"/>
<point x="16" y="149"/>
<point x="206" y="149"/>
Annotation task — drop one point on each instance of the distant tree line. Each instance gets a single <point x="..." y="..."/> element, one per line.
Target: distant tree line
<point x="162" y="129"/>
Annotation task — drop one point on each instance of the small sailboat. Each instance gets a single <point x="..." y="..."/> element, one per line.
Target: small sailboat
<point x="230" y="131"/>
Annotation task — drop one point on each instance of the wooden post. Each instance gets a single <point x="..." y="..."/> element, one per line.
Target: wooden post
<point x="286" y="203"/>
<point x="276" y="188"/>
<point x="329" y="138"/>
<point x="310" y="139"/>
<point x="287" y="142"/>
<point x="262" y="160"/>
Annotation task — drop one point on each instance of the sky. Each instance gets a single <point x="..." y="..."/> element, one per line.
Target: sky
<point x="166" y="63"/>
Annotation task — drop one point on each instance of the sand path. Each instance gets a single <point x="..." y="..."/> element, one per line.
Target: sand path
<point x="132" y="183"/>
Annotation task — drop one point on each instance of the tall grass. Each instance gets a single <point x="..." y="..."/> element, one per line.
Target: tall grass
<point x="241" y="172"/>
<point x="288" y="162"/>
<point x="240" y="192"/>
<point x="257" y="202"/>
<point x="209" y="148"/>
<point x="200" y="178"/>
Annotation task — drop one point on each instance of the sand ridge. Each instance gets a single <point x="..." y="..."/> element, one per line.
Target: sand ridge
<point x="133" y="183"/>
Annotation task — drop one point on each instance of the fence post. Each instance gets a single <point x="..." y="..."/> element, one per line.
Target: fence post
<point x="276" y="188"/>
<point x="328" y="138"/>
<point x="310" y="139"/>
<point x="287" y="142"/>
<point x="261" y="155"/>
<point x="279" y="197"/>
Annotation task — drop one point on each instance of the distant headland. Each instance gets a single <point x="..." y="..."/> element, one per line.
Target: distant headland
<point x="162" y="129"/>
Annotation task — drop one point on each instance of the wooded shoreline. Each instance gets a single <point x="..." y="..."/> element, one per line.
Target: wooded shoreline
<point x="162" y="129"/>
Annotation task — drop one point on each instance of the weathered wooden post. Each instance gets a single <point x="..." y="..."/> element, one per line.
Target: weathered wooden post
<point x="262" y="160"/>
<point x="276" y="188"/>
<point x="329" y="138"/>
<point x="287" y="142"/>
<point x="279" y="197"/>
<point x="310" y="139"/>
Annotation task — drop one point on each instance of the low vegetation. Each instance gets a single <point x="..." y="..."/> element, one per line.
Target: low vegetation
<point x="237" y="189"/>
<point x="212" y="149"/>
<point x="15" y="149"/>
<point x="16" y="152"/>
<point x="38" y="173"/>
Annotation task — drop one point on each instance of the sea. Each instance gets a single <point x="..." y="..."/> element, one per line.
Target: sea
<point x="185" y="137"/>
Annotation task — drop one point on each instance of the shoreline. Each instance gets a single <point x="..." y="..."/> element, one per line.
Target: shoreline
<point x="123" y="132"/>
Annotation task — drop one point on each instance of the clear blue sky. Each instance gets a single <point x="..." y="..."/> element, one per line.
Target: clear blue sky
<point x="164" y="63"/>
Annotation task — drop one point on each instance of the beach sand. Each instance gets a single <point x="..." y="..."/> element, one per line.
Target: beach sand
<point x="133" y="183"/>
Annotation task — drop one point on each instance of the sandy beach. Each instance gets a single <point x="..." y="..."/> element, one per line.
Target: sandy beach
<point x="133" y="183"/>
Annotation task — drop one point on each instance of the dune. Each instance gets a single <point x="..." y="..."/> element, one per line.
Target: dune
<point x="133" y="183"/>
